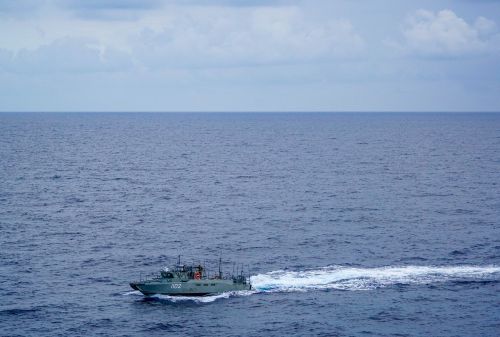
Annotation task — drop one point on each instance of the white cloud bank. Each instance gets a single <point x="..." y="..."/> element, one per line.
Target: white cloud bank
<point x="444" y="33"/>
<point x="241" y="55"/>
<point x="65" y="55"/>
<point x="229" y="36"/>
<point x="179" y="36"/>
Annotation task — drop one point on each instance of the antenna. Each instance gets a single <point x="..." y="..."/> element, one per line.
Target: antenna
<point x="220" y="262"/>
<point x="179" y="260"/>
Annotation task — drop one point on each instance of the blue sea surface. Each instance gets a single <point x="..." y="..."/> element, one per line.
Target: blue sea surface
<point x="382" y="224"/>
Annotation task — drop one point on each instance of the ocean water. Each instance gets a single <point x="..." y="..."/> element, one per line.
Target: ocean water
<point x="351" y="224"/>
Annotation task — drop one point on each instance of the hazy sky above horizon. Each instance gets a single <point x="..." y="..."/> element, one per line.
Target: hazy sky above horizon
<point x="249" y="55"/>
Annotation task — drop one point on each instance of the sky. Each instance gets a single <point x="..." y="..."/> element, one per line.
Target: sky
<point x="250" y="55"/>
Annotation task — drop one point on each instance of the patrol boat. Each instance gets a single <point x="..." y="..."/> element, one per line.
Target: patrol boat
<point x="184" y="280"/>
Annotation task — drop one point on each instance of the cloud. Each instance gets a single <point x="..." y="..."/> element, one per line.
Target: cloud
<point x="181" y="36"/>
<point x="20" y="9"/>
<point x="80" y="8"/>
<point x="226" y="36"/>
<point x="111" y="4"/>
<point x="108" y="9"/>
<point x="127" y="10"/>
<point x="445" y="34"/>
<point x="69" y="55"/>
<point x="233" y="3"/>
<point x="190" y="35"/>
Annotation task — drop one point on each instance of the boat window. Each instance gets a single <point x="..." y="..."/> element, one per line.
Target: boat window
<point x="212" y="284"/>
<point x="198" y="284"/>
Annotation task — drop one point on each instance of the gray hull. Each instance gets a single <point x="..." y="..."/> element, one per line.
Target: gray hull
<point x="188" y="287"/>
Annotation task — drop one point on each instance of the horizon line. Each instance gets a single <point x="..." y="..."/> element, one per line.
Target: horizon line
<point x="252" y="111"/>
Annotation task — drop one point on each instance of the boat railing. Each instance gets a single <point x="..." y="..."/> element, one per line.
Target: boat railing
<point x="149" y="277"/>
<point x="186" y="272"/>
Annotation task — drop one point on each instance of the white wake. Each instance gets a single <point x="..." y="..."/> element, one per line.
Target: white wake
<point x="349" y="278"/>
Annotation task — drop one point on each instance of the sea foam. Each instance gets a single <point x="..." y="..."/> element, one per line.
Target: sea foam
<point x="350" y="278"/>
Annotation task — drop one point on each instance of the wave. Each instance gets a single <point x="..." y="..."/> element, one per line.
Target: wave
<point x="349" y="279"/>
<point x="201" y="299"/>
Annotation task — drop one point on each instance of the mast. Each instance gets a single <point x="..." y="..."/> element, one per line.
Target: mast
<point x="220" y="262"/>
